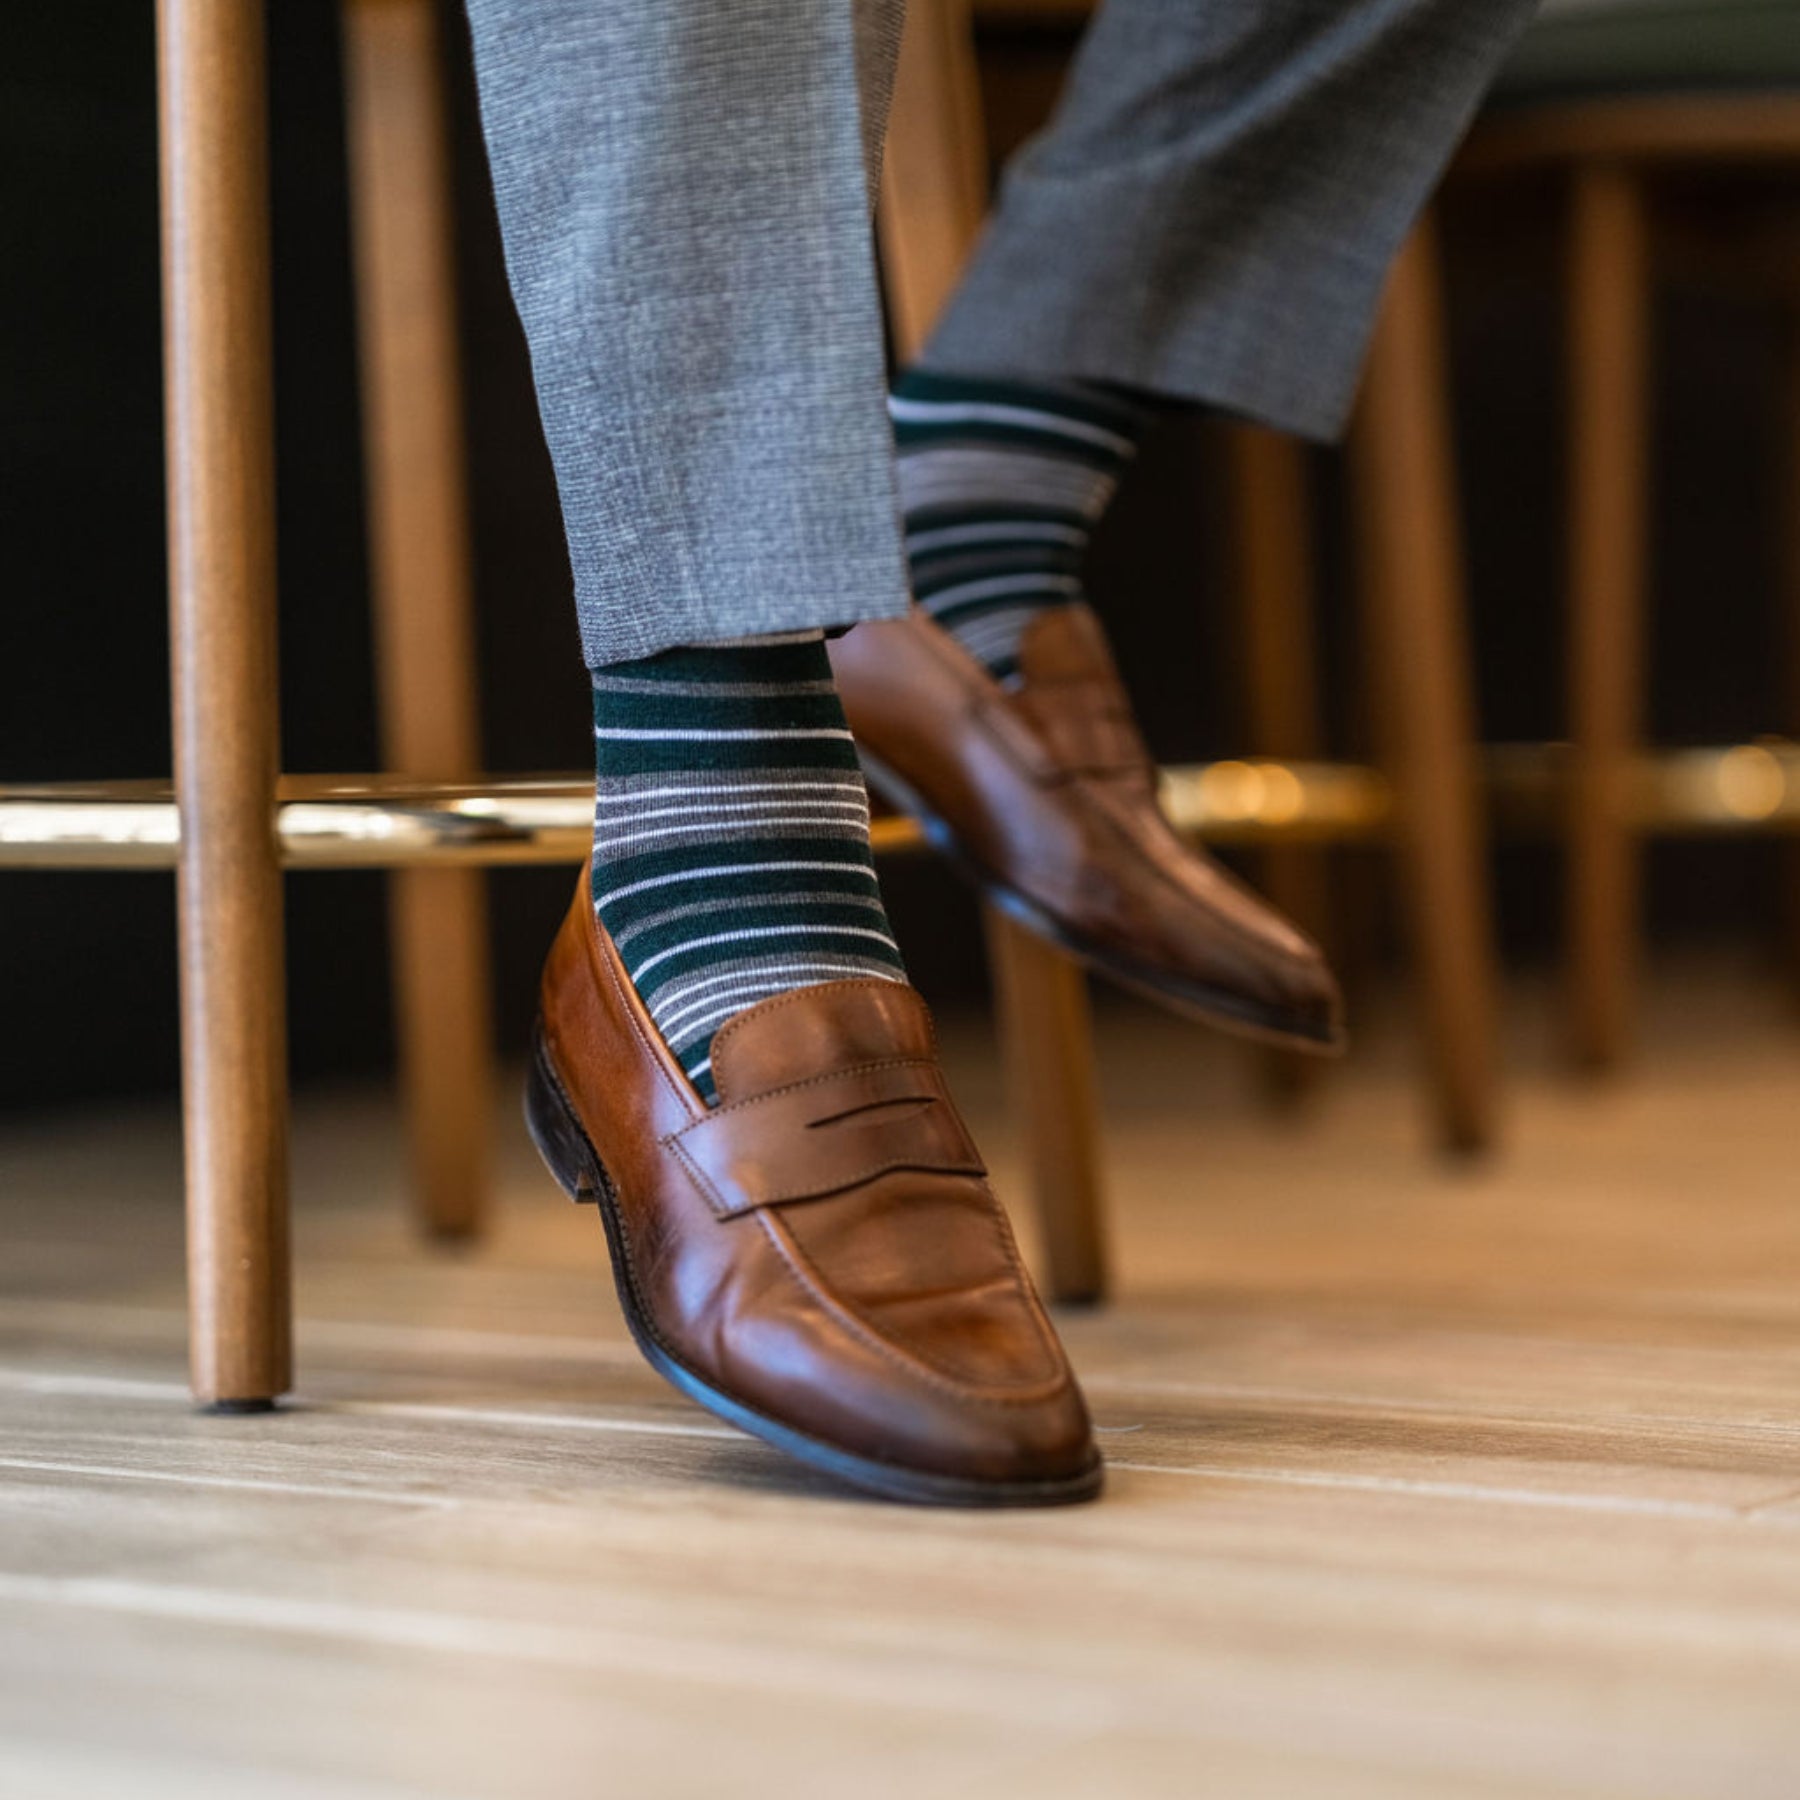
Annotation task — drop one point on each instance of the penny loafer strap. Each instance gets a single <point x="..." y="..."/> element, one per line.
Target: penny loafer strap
<point x="1087" y="725"/>
<point x="826" y="1135"/>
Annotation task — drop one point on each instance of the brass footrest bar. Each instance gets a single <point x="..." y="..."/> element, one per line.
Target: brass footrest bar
<point x="378" y="821"/>
<point x="1695" y="792"/>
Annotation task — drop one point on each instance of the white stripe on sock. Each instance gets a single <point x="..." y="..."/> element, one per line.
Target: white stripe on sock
<point x="735" y="1001"/>
<point x="700" y="814"/>
<point x="746" y="937"/>
<point x="996" y="585"/>
<point x="605" y="682"/>
<point x="946" y="537"/>
<point x="966" y="478"/>
<point x="706" y="912"/>
<point x="983" y="412"/>
<point x="678" y="999"/>
<point x="650" y="881"/>
<point x="758" y="784"/>
<point x="771" y="826"/>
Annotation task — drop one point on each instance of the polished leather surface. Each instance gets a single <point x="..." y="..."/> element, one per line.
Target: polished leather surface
<point x="1049" y="794"/>
<point x="822" y="1247"/>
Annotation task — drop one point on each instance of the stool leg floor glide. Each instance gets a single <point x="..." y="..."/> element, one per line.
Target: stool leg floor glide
<point x="220" y="451"/>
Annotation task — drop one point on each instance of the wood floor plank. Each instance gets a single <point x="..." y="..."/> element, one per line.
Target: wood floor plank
<point x="1423" y="1485"/>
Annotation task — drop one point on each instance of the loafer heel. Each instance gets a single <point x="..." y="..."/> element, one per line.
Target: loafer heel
<point x="559" y="1139"/>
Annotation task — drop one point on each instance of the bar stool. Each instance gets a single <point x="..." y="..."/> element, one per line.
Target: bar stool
<point x="228" y="790"/>
<point x="232" y="819"/>
<point x="222" y="632"/>
<point x="1608" y="100"/>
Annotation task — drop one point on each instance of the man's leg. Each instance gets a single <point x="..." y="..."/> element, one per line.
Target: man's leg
<point x="1209" y="217"/>
<point x="730" y="1061"/>
<point x="1211" y="214"/>
<point x="684" y="191"/>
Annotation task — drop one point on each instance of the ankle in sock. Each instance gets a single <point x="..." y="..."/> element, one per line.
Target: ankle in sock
<point x="731" y="835"/>
<point x="1001" y="486"/>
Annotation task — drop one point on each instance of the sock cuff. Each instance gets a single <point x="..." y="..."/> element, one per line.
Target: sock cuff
<point x="779" y="660"/>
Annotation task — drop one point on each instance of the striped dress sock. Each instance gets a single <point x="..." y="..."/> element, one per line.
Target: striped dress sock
<point x="1001" y="485"/>
<point x="731" y="835"/>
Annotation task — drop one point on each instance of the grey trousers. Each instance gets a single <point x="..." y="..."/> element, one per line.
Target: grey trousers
<point x="684" y="189"/>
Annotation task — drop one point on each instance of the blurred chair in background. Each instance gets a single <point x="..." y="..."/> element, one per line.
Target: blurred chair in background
<point x="419" y="557"/>
<point x="1611" y="97"/>
<point x="222" y="603"/>
<point x="235" y="819"/>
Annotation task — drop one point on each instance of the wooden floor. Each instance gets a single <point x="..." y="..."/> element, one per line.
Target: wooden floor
<point x="1424" y="1483"/>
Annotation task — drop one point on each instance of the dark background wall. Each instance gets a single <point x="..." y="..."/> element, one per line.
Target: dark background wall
<point x="86" y="962"/>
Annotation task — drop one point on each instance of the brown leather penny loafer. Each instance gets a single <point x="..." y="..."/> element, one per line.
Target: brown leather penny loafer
<point x="1047" y="797"/>
<point x="817" y="1259"/>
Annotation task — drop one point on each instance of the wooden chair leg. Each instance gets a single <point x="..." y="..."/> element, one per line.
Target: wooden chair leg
<point x="221" y="506"/>
<point x="1047" y="1038"/>
<point x="1608" y="304"/>
<point x="1790" y="577"/>
<point x="1403" y="458"/>
<point x="1275" y="584"/>
<point x="934" y="193"/>
<point x="419" y="555"/>
<point x="934" y="177"/>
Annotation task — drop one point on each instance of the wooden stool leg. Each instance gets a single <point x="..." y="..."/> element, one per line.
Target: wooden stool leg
<point x="221" y="502"/>
<point x="934" y="190"/>
<point x="1790" y="577"/>
<point x="1608" y="434"/>
<point x="934" y="177"/>
<point x="419" y="553"/>
<point x="1412" y="562"/>
<point x="1047" y="1038"/>
<point x="1275" y="582"/>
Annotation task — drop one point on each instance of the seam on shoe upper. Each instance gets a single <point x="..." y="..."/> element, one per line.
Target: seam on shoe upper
<point x="724" y="1211"/>
<point x="804" y="1081"/>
